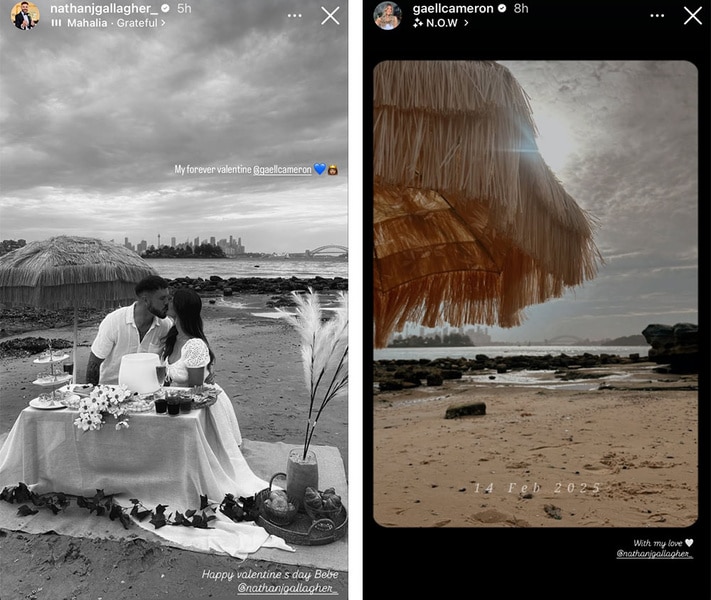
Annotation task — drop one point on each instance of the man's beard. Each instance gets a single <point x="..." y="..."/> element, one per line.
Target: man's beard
<point x="160" y="313"/>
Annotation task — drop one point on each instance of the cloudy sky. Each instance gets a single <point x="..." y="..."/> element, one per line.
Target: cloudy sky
<point x="622" y="139"/>
<point x="93" y="122"/>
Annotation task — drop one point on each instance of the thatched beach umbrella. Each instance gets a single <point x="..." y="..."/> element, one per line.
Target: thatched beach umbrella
<point x="70" y="272"/>
<point x="470" y="224"/>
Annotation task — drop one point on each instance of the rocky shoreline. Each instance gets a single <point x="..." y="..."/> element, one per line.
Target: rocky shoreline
<point x="17" y="320"/>
<point x="398" y="374"/>
<point x="674" y="348"/>
<point x="217" y="285"/>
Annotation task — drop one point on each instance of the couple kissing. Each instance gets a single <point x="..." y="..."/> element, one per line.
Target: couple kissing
<point x="164" y="323"/>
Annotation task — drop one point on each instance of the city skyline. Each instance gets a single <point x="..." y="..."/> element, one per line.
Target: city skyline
<point x="225" y="243"/>
<point x="231" y="241"/>
<point x="230" y="247"/>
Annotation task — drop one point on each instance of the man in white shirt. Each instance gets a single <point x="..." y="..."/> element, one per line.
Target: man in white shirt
<point x="141" y="327"/>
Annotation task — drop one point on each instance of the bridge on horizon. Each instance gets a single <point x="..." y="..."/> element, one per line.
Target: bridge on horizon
<point x="565" y="340"/>
<point x="332" y="249"/>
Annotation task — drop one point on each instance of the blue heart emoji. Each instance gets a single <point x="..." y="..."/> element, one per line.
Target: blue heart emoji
<point x="319" y="167"/>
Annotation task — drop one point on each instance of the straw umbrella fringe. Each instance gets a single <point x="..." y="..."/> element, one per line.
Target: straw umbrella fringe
<point x="70" y="272"/>
<point x="465" y="130"/>
<point x="470" y="224"/>
<point x="73" y="272"/>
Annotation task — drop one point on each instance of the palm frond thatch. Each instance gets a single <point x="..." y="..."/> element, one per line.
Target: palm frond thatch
<point x="470" y="224"/>
<point x="69" y="271"/>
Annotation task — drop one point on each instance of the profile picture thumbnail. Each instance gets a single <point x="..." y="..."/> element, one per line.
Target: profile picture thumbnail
<point x="25" y="15"/>
<point x="387" y="15"/>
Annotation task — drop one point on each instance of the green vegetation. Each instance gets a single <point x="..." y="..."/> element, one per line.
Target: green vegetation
<point x="436" y="341"/>
<point x="10" y="245"/>
<point x="204" y="250"/>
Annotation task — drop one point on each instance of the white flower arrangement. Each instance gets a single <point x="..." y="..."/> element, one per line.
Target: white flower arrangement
<point x="102" y="400"/>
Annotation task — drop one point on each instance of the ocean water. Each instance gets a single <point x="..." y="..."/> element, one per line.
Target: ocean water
<point x="269" y="268"/>
<point x="470" y="352"/>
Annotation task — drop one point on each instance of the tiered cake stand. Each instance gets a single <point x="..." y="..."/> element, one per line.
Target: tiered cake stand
<point x="54" y="378"/>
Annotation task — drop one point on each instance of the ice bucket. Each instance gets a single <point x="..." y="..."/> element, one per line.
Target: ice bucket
<point x="138" y="372"/>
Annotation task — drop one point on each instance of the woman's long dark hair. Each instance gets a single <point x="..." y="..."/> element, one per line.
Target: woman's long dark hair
<point x="187" y="306"/>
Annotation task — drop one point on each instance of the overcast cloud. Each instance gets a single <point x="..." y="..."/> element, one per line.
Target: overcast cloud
<point x="93" y="122"/>
<point x="630" y="129"/>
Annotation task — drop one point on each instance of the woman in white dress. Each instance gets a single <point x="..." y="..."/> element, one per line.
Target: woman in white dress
<point x="186" y="346"/>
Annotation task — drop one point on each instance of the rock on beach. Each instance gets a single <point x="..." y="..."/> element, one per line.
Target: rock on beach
<point x="674" y="345"/>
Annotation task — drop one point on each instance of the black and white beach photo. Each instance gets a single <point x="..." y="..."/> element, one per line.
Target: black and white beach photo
<point x="204" y="144"/>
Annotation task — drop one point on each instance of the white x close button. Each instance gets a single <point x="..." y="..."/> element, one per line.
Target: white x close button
<point x="329" y="15"/>
<point x="693" y="16"/>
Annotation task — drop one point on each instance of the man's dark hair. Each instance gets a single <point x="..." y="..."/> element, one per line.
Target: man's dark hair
<point x="153" y="283"/>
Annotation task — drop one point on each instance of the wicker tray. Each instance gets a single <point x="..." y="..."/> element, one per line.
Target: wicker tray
<point x="303" y="531"/>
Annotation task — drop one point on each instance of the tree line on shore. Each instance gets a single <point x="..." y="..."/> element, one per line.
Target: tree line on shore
<point x="10" y="245"/>
<point x="458" y="340"/>
<point x="454" y="339"/>
<point x="204" y="250"/>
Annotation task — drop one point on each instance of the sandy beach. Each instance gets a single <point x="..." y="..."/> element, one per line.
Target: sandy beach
<point x="259" y="366"/>
<point x="620" y="457"/>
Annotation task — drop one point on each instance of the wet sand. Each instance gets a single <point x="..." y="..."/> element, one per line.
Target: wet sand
<point x="558" y="457"/>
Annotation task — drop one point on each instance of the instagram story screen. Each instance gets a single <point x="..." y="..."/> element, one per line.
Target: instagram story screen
<point x="205" y="143"/>
<point x="537" y="325"/>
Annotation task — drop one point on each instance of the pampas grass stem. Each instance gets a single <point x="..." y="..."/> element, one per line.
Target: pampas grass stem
<point x="324" y="353"/>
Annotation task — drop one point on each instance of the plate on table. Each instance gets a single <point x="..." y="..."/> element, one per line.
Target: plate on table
<point x="82" y="389"/>
<point x="46" y="358"/>
<point x="139" y="404"/>
<point x="51" y="405"/>
<point x="53" y="379"/>
<point x="71" y="400"/>
<point x="79" y="389"/>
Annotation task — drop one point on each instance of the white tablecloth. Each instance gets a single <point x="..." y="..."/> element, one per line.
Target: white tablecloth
<point x="159" y="459"/>
<point x="234" y="539"/>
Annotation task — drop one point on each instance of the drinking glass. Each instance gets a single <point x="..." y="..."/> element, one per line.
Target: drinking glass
<point x="173" y="405"/>
<point x="161" y="404"/>
<point x="161" y="373"/>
